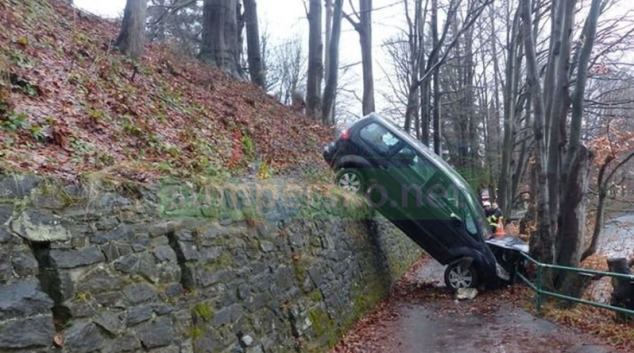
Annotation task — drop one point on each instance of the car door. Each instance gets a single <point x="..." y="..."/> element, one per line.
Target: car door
<point x="413" y="171"/>
<point x="442" y="219"/>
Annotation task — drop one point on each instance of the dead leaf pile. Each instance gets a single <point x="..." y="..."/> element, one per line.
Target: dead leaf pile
<point x="76" y="105"/>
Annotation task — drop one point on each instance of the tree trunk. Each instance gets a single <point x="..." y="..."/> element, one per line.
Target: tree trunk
<point x="542" y="244"/>
<point x="622" y="289"/>
<point x="598" y="220"/>
<point x="559" y="105"/>
<point x="161" y="25"/>
<point x="549" y="80"/>
<point x="531" y="213"/>
<point x="413" y="97"/>
<point x="436" y="87"/>
<point x="412" y="104"/>
<point x="315" y="61"/>
<point x="493" y="122"/>
<point x="509" y="116"/>
<point x="580" y="85"/>
<point x="471" y="141"/>
<point x="132" y="34"/>
<point x="436" y="114"/>
<point x="256" y="69"/>
<point x="328" y="36"/>
<point x="239" y="29"/>
<point x="365" y="36"/>
<point x="573" y="222"/>
<point x="572" y="211"/>
<point x="424" y="111"/>
<point x="522" y="160"/>
<point x="330" y="91"/>
<point x="219" y="44"/>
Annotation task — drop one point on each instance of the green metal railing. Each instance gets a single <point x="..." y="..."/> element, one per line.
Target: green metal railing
<point x="538" y="287"/>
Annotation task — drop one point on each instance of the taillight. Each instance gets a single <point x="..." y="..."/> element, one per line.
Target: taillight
<point x="345" y="134"/>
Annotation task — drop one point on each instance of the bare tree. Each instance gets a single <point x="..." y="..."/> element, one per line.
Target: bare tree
<point x="286" y="70"/>
<point x="561" y="225"/>
<point x="329" y="28"/>
<point x="398" y="76"/>
<point x="131" y="36"/>
<point x="433" y="61"/>
<point x="514" y="55"/>
<point x="315" y="60"/>
<point x="363" y="26"/>
<point x="330" y="90"/>
<point x="177" y="22"/>
<point x="256" y="70"/>
<point x="438" y="55"/>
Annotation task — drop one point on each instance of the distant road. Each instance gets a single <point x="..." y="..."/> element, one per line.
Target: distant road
<point x="617" y="238"/>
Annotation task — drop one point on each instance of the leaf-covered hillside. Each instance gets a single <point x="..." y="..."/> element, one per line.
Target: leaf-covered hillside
<point x="70" y="104"/>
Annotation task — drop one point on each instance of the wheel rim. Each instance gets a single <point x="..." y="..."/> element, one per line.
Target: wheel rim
<point x="460" y="277"/>
<point x="350" y="182"/>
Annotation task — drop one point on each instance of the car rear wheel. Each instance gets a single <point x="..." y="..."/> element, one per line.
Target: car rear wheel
<point x="460" y="275"/>
<point x="350" y="180"/>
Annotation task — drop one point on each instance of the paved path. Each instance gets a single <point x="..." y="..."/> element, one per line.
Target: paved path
<point x="422" y="317"/>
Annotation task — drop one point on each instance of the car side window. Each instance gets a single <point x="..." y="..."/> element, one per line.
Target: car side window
<point x="408" y="158"/>
<point x="379" y="138"/>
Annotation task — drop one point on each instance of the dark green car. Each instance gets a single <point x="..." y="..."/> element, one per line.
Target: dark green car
<point x="421" y="194"/>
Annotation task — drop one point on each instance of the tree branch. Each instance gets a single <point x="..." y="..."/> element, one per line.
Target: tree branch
<point x="474" y="16"/>
<point x="354" y="24"/>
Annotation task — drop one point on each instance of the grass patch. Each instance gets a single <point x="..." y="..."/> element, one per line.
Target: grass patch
<point x="196" y="332"/>
<point x="223" y="261"/>
<point x="248" y="148"/>
<point x="316" y="296"/>
<point x="302" y="264"/>
<point x="321" y="321"/>
<point x="204" y="311"/>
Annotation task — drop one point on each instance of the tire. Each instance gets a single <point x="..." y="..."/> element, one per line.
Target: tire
<point x="457" y="276"/>
<point x="351" y="180"/>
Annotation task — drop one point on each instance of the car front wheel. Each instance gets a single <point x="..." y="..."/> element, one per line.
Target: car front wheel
<point x="350" y="180"/>
<point x="460" y="275"/>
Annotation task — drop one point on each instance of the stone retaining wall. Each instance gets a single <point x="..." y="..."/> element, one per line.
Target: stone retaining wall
<point x="87" y="269"/>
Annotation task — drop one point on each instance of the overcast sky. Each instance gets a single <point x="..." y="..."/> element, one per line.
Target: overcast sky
<point x="289" y="20"/>
<point x="284" y="19"/>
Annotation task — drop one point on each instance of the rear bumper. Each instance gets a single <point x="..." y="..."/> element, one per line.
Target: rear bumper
<point x="329" y="153"/>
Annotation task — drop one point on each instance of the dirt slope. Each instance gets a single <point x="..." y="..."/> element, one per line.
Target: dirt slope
<point x="70" y="104"/>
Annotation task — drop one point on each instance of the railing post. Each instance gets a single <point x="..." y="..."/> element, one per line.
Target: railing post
<point x="538" y="300"/>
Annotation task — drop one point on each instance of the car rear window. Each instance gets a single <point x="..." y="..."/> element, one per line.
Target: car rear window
<point x="379" y="138"/>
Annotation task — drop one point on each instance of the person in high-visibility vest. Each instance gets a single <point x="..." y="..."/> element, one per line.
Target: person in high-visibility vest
<point x="488" y="212"/>
<point x="494" y="216"/>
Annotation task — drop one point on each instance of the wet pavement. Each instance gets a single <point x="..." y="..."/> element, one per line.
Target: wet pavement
<point x="422" y="316"/>
<point x="505" y="330"/>
<point x="452" y="326"/>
